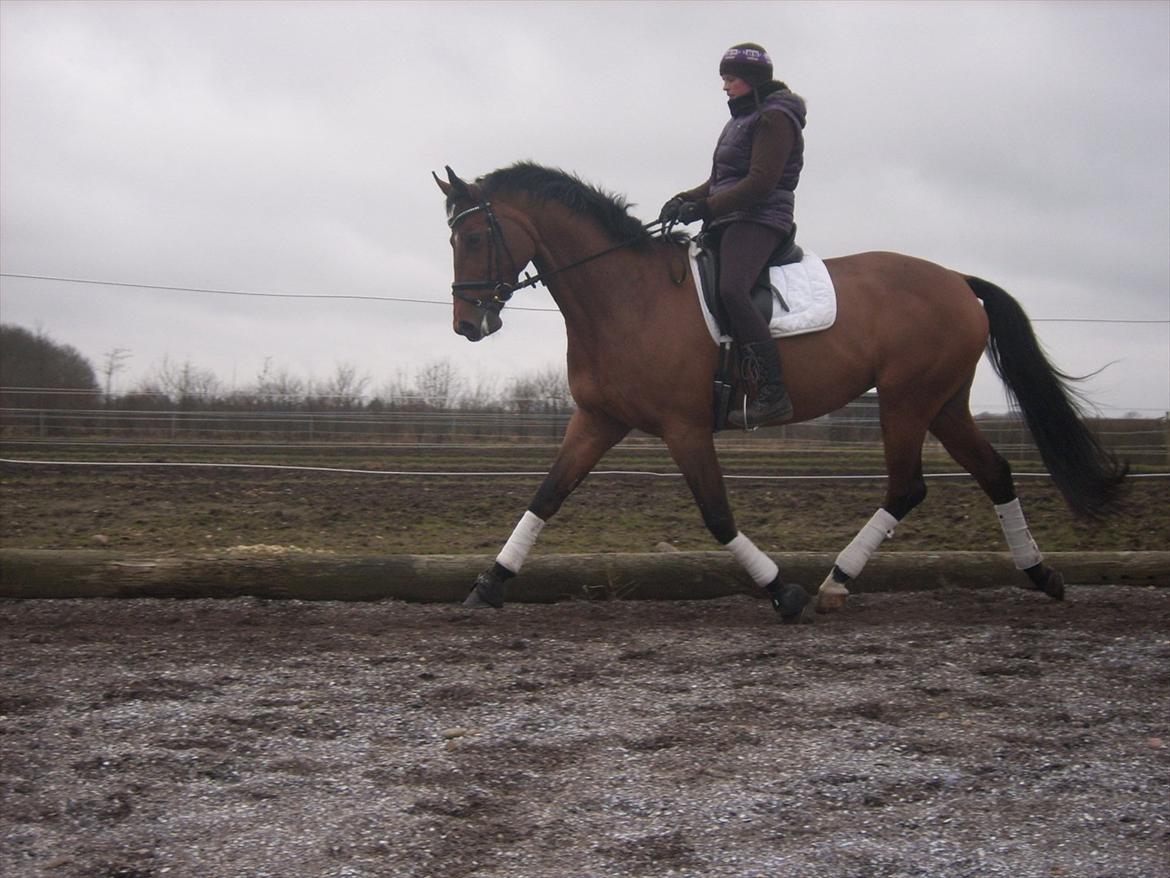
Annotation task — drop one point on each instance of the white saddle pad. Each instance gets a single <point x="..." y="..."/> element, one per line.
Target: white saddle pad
<point x="803" y="298"/>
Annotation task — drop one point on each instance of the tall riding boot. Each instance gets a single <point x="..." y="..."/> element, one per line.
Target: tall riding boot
<point x="761" y="365"/>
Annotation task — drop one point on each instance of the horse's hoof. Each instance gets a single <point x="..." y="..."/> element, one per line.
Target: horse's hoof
<point x="474" y="602"/>
<point x="1043" y="578"/>
<point x="1054" y="586"/>
<point x="831" y="596"/>
<point x="806" y="615"/>
<point x="790" y="601"/>
<point x="488" y="592"/>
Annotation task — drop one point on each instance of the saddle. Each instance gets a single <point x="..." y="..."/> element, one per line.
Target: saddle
<point x="762" y="296"/>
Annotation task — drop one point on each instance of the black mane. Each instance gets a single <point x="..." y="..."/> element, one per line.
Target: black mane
<point x="611" y="211"/>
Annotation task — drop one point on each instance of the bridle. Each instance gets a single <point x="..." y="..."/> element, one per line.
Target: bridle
<point x="502" y="290"/>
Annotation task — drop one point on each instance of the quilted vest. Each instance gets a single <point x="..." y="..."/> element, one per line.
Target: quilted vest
<point x="733" y="156"/>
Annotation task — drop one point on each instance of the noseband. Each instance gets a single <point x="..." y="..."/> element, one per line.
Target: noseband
<point x="501" y="290"/>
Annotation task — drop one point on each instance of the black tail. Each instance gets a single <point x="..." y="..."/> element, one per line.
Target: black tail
<point x="1087" y="475"/>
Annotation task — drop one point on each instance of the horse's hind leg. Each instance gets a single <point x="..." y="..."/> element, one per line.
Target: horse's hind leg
<point x="587" y="438"/>
<point x="903" y="432"/>
<point x="694" y="452"/>
<point x="965" y="442"/>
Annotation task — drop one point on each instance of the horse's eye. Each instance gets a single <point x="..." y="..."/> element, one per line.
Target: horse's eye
<point x="473" y="240"/>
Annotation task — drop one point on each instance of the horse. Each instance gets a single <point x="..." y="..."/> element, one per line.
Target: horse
<point x="640" y="357"/>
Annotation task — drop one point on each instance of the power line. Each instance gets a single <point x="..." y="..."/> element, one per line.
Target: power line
<point x="249" y="293"/>
<point x="348" y="296"/>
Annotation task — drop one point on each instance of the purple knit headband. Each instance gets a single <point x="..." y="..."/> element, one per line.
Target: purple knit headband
<point x="736" y="55"/>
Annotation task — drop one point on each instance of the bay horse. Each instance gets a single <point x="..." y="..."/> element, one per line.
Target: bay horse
<point x="640" y="357"/>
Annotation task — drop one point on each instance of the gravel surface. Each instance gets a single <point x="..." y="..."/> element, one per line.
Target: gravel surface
<point x="943" y="734"/>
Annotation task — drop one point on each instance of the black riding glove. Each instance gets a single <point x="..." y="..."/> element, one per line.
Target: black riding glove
<point x="669" y="212"/>
<point x="692" y="211"/>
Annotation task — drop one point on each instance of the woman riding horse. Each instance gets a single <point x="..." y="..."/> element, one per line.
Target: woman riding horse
<point x="747" y="209"/>
<point x="640" y="357"/>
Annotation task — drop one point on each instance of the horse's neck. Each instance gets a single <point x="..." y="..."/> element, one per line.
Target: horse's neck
<point x="593" y="292"/>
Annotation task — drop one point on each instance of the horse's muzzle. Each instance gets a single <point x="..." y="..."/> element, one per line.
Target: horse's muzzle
<point x="489" y="322"/>
<point x="468" y="330"/>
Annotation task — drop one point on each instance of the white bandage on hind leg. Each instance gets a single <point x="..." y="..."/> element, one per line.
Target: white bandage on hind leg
<point x="521" y="542"/>
<point x="853" y="557"/>
<point x="1025" y="552"/>
<point x="759" y="566"/>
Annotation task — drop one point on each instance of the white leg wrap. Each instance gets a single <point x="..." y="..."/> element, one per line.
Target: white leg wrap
<point x="1019" y="539"/>
<point x="761" y="568"/>
<point x="521" y="542"/>
<point x="853" y="557"/>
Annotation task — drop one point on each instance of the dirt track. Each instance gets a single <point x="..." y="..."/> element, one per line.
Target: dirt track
<point x="161" y="512"/>
<point x="945" y="734"/>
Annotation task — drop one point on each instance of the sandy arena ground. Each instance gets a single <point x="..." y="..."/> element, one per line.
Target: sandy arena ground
<point x="942" y="734"/>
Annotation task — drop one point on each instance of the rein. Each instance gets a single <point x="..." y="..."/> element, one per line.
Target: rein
<point x="502" y="290"/>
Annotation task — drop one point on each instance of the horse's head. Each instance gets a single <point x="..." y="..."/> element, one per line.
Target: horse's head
<point x="492" y="244"/>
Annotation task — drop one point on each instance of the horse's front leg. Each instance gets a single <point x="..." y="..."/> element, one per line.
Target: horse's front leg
<point x="694" y="452"/>
<point x="587" y="438"/>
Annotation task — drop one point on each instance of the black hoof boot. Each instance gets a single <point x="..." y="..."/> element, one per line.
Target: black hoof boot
<point x="487" y="592"/>
<point x="1047" y="580"/>
<point x="789" y="600"/>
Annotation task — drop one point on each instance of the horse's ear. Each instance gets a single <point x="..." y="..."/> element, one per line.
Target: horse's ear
<point x="457" y="186"/>
<point x="443" y="184"/>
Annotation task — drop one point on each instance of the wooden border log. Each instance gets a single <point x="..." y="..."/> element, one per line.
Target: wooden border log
<point x="33" y="573"/>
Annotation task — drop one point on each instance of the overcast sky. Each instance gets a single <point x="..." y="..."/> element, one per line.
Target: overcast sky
<point x="287" y="148"/>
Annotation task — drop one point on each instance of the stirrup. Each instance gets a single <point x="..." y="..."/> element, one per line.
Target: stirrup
<point x="746" y="428"/>
<point x="782" y="417"/>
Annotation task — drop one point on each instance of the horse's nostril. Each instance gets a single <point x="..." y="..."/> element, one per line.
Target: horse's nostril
<point x="468" y="330"/>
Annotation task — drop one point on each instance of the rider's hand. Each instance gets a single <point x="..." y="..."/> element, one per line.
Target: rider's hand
<point x="692" y="211"/>
<point x="669" y="212"/>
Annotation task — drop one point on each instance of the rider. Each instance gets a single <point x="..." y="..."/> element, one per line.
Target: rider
<point x="747" y="209"/>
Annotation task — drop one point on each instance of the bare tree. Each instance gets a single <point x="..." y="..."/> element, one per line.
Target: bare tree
<point x="398" y="392"/>
<point x="483" y="395"/>
<point x="187" y="385"/>
<point x="544" y="390"/>
<point x="278" y="387"/>
<point x="552" y="383"/>
<point x="439" y="383"/>
<point x="345" y="390"/>
<point x="113" y="362"/>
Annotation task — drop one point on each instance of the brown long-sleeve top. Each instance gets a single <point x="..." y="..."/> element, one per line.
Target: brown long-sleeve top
<point x="772" y="142"/>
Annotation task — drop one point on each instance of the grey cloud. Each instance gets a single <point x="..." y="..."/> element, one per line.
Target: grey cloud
<point x="288" y="147"/>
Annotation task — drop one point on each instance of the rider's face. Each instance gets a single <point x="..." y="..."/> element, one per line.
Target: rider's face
<point x="734" y="87"/>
